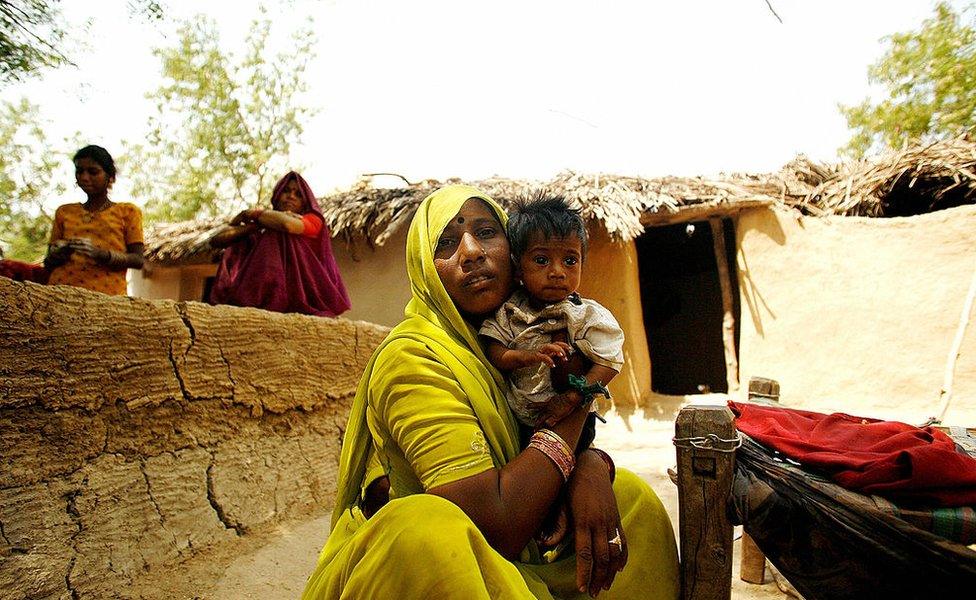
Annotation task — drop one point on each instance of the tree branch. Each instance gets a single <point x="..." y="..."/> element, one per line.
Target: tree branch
<point x="773" y="10"/>
<point x="390" y="174"/>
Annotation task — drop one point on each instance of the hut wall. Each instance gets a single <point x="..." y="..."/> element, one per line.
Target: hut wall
<point x="136" y="434"/>
<point x="193" y="280"/>
<point x="856" y="314"/>
<point x="610" y="276"/>
<point x="376" y="278"/>
<point x="155" y="281"/>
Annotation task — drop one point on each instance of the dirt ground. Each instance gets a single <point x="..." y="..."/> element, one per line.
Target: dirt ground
<point x="274" y="564"/>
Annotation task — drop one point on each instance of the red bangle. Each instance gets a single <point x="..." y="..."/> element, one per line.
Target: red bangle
<point x="606" y="458"/>
<point x="555" y="447"/>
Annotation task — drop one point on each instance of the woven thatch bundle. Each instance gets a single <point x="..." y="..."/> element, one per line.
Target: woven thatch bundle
<point x="911" y="181"/>
<point x="915" y="180"/>
<point x="182" y="243"/>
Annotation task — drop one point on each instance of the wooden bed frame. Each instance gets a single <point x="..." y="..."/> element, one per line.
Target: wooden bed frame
<point x="705" y="444"/>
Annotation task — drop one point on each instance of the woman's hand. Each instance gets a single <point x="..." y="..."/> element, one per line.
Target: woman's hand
<point x="85" y="247"/>
<point x="596" y="521"/>
<point x="58" y="253"/>
<point x="249" y="215"/>
<point x="560" y="406"/>
<point x="231" y="234"/>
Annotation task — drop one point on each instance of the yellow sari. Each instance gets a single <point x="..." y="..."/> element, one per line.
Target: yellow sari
<point x="430" y="410"/>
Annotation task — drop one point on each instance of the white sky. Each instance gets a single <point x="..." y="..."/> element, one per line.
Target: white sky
<point x="521" y="88"/>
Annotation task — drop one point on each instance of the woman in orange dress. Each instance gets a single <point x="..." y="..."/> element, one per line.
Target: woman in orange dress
<point x="93" y="243"/>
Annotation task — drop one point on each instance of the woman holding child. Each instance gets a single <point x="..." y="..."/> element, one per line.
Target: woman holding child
<point x="430" y="413"/>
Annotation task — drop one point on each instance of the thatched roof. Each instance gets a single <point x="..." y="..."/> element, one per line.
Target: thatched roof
<point x="912" y="181"/>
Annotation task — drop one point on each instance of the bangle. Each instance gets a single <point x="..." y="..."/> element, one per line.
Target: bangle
<point x="116" y="259"/>
<point x="606" y="458"/>
<point x="587" y="390"/>
<point x="555" y="447"/>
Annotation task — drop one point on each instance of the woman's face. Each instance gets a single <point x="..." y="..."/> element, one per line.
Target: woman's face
<point x="472" y="260"/>
<point x="290" y="199"/>
<point x="92" y="178"/>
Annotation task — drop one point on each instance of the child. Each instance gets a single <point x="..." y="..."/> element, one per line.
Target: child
<point x="545" y="319"/>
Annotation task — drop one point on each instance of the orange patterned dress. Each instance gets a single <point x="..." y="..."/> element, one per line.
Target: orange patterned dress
<point x="113" y="228"/>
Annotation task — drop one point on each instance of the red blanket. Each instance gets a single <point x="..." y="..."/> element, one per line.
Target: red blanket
<point x="912" y="465"/>
<point x="21" y="271"/>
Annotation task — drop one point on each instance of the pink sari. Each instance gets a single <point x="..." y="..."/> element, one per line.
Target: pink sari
<point x="283" y="272"/>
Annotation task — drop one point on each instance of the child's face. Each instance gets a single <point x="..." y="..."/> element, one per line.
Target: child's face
<point x="550" y="269"/>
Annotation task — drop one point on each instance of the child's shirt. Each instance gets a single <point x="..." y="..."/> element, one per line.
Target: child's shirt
<point x="590" y="327"/>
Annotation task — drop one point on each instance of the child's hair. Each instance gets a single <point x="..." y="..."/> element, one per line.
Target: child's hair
<point x="99" y="155"/>
<point x="545" y="213"/>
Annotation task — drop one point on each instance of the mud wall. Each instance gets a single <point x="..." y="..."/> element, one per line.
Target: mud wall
<point x="857" y="314"/>
<point x="136" y="433"/>
<point x="610" y="276"/>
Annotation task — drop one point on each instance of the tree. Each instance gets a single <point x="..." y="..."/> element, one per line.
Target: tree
<point x="929" y="78"/>
<point x="33" y="35"/>
<point x="28" y="176"/>
<point x="223" y="129"/>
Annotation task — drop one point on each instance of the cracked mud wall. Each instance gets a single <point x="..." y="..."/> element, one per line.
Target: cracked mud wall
<point x="136" y="433"/>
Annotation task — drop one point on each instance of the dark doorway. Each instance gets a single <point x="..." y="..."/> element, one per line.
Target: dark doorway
<point x="682" y="299"/>
<point x="208" y="284"/>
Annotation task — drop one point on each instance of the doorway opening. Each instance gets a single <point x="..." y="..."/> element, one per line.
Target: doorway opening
<point x="682" y="300"/>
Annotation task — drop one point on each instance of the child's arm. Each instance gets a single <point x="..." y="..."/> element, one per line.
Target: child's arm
<point x="561" y="405"/>
<point x="508" y="359"/>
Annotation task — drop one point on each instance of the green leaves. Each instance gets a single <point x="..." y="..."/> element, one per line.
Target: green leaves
<point x="28" y="163"/>
<point x="929" y="78"/>
<point x="224" y="125"/>
<point x="31" y="37"/>
<point x="35" y="36"/>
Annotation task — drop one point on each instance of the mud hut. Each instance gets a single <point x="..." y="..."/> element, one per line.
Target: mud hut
<point x="825" y="277"/>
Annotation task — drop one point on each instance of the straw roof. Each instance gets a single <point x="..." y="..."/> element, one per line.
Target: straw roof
<point x="911" y="181"/>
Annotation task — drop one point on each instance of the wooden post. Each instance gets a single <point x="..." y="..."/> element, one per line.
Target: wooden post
<point x="752" y="563"/>
<point x="763" y="390"/>
<point x="706" y="461"/>
<point x="728" y="317"/>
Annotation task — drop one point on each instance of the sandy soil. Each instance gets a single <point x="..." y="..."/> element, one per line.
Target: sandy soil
<point x="273" y="564"/>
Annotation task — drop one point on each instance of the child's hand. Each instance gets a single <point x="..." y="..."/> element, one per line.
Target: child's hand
<point x="546" y="355"/>
<point x="554" y="527"/>
<point x="560" y="350"/>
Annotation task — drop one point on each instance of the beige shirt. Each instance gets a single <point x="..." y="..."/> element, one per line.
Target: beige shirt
<point x="590" y="327"/>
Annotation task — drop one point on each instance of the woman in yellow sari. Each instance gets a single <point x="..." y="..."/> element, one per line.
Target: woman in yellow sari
<point x="431" y="415"/>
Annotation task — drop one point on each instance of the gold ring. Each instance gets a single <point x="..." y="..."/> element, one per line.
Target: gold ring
<point x="616" y="541"/>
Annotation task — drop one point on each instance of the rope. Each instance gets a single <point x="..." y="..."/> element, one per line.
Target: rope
<point x="708" y="442"/>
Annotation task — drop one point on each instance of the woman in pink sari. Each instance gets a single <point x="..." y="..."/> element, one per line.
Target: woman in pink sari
<point x="280" y="259"/>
